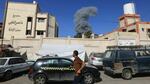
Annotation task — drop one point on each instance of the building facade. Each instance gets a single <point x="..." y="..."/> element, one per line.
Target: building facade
<point x="53" y="27"/>
<point x="131" y="29"/>
<point x="24" y="20"/>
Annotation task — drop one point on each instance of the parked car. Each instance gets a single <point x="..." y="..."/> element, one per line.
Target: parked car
<point x="127" y="62"/>
<point x="59" y="69"/>
<point x="96" y="59"/>
<point x="11" y="65"/>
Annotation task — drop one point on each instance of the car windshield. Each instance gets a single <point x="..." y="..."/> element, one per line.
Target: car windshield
<point x="108" y="54"/>
<point x="2" y="61"/>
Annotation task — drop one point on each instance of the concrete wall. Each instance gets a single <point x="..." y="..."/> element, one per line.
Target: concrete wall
<point x="30" y="46"/>
<point x="132" y="27"/>
<point x="144" y="42"/>
<point x="110" y="36"/>
<point x="131" y="20"/>
<point x="122" y="23"/>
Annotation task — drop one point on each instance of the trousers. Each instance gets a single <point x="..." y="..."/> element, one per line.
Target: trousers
<point x="78" y="80"/>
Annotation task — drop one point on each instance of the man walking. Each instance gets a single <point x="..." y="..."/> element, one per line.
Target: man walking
<point x="78" y="65"/>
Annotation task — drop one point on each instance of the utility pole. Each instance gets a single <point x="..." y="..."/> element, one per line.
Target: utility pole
<point x="4" y="21"/>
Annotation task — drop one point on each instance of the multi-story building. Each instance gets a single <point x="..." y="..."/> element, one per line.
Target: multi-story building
<point x="53" y="27"/>
<point x="24" y="20"/>
<point x="131" y="31"/>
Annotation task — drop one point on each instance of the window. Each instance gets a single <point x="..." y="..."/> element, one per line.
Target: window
<point x="66" y="63"/>
<point x="143" y="29"/>
<point x="47" y="63"/>
<point x="124" y="30"/>
<point x="40" y="32"/>
<point x="29" y="26"/>
<point x="20" y="60"/>
<point x="108" y="54"/>
<point x="148" y="32"/>
<point x="41" y="19"/>
<point x="132" y="30"/>
<point x="28" y="32"/>
<point x="3" y="61"/>
<point x="29" y="19"/>
<point x="0" y="34"/>
<point x="105" y="38"/>
<point x="13" y="61"/>
<point x="51" y="62"/>
<point x="126" y="54"/>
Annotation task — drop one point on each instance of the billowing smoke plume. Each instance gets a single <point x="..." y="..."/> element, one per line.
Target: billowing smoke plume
<point x="82" y="17"/>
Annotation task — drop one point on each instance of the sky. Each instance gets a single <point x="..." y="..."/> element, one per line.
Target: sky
<point x="105" y="21"/>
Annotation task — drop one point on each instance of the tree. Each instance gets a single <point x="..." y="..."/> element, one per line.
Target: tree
<point x="78" y="35"/>
<point x="88" y="34"/>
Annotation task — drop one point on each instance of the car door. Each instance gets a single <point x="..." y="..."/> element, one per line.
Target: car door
<point x="67" y="70"/>
<point x="51" y="68"/>
<point x="22" y="64"/>
<point x="109" y="60"/>
<point x="127" y="59"/>
<point x="13" y="65"/>
<point x="143" y="60"/>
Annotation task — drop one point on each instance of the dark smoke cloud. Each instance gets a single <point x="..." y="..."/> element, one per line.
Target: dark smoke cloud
<point x="82" y="17"/>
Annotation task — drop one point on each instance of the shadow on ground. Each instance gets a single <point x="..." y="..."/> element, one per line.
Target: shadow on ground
<point x="142" y="75"/>
<point x="59" y="82"/>
<point x="112" y="76"/>
<point x="135" y="76"/>
<point x="17" y="75"/>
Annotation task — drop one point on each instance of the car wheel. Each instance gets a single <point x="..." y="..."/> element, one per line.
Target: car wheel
<point x="88" y="78"/>
<point x="40" y="79"/>
<point x="127" y="74"/>
<point x="8" y="75"/>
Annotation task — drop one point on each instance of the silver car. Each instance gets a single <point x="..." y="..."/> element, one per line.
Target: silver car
<point x="96" y="59"/>
<point x="11" y="65"/>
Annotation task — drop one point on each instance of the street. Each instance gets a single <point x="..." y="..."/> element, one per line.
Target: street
<point x="138" y="79"/>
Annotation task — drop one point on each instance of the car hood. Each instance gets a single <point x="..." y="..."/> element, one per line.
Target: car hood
<point x="91" y="66"/>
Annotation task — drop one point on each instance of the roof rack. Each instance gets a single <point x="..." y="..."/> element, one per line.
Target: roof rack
<point x="135" y="47"/>
<point x="49" y="56"/>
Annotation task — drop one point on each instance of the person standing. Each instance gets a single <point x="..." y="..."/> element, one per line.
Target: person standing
<point x="78" y="65"/>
